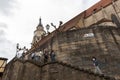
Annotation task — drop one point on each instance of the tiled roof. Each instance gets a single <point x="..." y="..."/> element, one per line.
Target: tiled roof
<point x="1" y="58"/>
<point x="97" y="7"/>
<point x="85" y="14"/>
<point x="71" y="22"/>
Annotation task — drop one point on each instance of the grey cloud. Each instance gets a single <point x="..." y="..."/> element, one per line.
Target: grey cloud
<point x="2" y="32"/>
<point x="6" y="6"/>
<point x="7" y="47"/>
<point x="2" y="35"/>
<point x="3" y="25"/>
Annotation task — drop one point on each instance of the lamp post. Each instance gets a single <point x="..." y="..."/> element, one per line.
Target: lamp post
<point x="53" y="26"/>
<point x="56" y="33"/>
<point x="60" y="23"/>
<point x="47" y="28"/>
<point x="17" y="49"/>
<point x="24" y="49"/>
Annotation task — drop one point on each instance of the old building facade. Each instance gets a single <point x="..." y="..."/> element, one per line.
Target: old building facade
<point x="93" y="33"/>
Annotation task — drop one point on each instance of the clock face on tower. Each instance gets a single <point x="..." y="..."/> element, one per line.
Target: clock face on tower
<point x="37" y="38"/>
<point x="40" y="28"/>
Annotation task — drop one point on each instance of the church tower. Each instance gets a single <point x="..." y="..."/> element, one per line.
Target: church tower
<point x="39" y="33"/>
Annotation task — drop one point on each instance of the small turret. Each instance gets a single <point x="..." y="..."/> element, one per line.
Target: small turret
<point x="40" y="26"/>
<point x="39" y="33"/>
<point x="40" y="23"/>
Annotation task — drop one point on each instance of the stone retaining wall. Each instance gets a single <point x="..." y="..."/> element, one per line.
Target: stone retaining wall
<point x="29" y="70"/>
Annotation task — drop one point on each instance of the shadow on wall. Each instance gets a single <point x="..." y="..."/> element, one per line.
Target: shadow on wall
<point x="115" y="20"/>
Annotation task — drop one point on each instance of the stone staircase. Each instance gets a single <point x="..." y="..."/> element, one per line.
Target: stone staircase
<point x="31" y="70"/>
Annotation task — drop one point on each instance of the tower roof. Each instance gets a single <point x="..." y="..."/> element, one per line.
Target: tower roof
<point x="40" y="23"/>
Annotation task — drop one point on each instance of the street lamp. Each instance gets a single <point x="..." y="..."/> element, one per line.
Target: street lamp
<point x="60" y="23"/>
<point x="47" y="28"/>
<point x="17" y="48"/>
<point x="53" y="26"/>
<point x="24" y="49"/>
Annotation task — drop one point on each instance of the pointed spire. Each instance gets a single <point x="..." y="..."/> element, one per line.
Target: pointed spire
<point x="40" y="22"/>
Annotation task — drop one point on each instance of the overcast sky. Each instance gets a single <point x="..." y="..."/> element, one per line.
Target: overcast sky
<point x="19" y="18"/>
